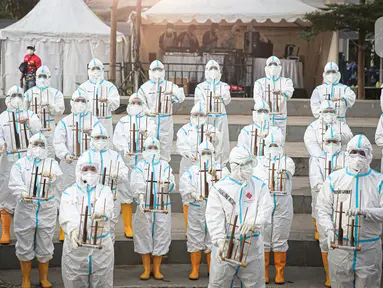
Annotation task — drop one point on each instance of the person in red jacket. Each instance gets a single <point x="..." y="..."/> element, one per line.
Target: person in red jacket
<point x="34" y="63"/>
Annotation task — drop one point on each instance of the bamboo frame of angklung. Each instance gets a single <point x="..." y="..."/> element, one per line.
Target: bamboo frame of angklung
<point x="134" y="132"/>
<point x="275" y="105"/>
<point x="164" y="103"/>
<point x="161" y="196"/>
<point x="254" y="140"/>
<point x="100" y="108"/>
<point x="80" y="139"/>
<point x="200" y="138"/>
<point x="278" y="185"/>
<point x="213" y="104"/>
<point x="340" y="242"/>
<point x="108" y="180"/>
<point x="44" y="111"/>
<point x="89" y="240"/>
<point x="43" y="181"/>
<point x="236" y="253"/>
<point x="17" y="133"/>
<point x="204" y="183"/>
<point x="328" y="169"/>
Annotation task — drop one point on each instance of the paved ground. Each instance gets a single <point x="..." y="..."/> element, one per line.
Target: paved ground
<point x="175" y="276"/>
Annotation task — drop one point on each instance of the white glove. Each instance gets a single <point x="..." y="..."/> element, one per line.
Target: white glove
<point x="174" y="99"/>
<point x="189" y="155"/>
<point x="330" y="238"/>
<point x="74" y="238"/>
<point x="98" y="216"/>
<point x="319" y="187"/>
<point x="68" y="158"/>
<point x="141" y="202"/>
<point x="220" y="253"/>
<point x="247" y="226"/>
<point x="151" y="113"/>
<point x="196" y="196"/>
<point x="25" y="198"/>
<point x="356" y="212"/>
<point x="143" y="131"/>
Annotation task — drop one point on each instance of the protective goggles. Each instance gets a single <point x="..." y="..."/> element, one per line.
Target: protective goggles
<point x="136" y="102"/>
<point x="80" y="99"/>
<point x="358" y="152"/>
<point x="328" y="111"/>
<point x="206" y="153"/>
<point x="89" y="168"/>
<point x="42" y="76"/>
<point x="14" y="95"/>
<point x="100" y="137"/>
<point x="151" y="147"/>
<point x="40" y="144"/>
<point x="213" y="68"/>
<point x="159" y="69"/>
<point x="273" y="64"/>
<point x="331" y="72"/>
<point x="247" y="163"/>
<point x="262" y="110"/>
<point x="96" y="68"/>
<point x="198" y="114"/>
<point x="332" y="141"/>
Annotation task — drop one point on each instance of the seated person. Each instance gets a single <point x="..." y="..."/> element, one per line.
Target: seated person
<point x="188" y="39"/>
<point x="168" y="38"/>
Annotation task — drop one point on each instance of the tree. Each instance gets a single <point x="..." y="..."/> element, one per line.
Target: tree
<point x="350" y="17"/>
<point x="16" y="9"/>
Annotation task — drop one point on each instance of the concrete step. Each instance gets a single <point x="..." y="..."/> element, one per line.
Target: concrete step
<point x="176" y="276"/>
<point x="303" y="251"/>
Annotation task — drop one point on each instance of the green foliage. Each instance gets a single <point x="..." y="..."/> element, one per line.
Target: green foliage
<point x="351" y="17"/>
<point x="16" y="9"/>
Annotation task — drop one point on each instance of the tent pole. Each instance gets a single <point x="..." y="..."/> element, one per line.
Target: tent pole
<point x="137" y="65"/>
<point x="113" y="42"/>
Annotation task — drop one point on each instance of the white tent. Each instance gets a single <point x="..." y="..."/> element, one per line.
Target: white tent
<point x="66" y="34"/>
<point x="227" y="10"/>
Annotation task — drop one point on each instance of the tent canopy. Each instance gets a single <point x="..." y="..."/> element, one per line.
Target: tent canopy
<point x="227" y="10"/>
<point x="59" y="20"/>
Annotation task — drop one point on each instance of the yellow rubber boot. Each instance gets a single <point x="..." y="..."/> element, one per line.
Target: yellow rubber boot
<point x="6" y="225"/>
<point x="43" y="272"/>
<point x="157" y="268"/>
<point x="325" y="265"/>
<point x="195" y="258"/>
<point x="316" y="230"/>
<point x="126" y="213"/>
<point x="146" y="263"/>
<point x="186" y="213"/>
<point x="62" y="235"/>
<point x="280" y="263"/>
<point x="208" y="259"/>
<point x="26" y="267"/>
<point x="267" y="262"/>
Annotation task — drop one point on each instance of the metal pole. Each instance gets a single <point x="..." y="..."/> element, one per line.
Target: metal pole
<point x="137" y="46"/>
<point x="113" y="42"/>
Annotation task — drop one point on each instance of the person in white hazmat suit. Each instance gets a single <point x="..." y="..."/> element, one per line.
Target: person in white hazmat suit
<point x="64" y="141"/>
<point x="281" y="89"/>
<point x="144" y="126"/>
<point x="314" y="140"/>
<point x="261" y="125"/>
<point x="112" y="165"/>
<point x="8" y="154"/>
<point x="150" y="92"/>
<point x="379" y="138"/>
<point x="277" y="232"/>
<point x="359" y="188"/>
<point x="81" y="266"/>
<point x="239" y="192"/>
<point x="194" y="189"/>
<point x="334" y="158"/>
<point x="334" y="91"/>
<point x="188" y="139"/>
<point x="35" y="219"/>
<point x="97" y="88"/>
<point x="152" y="230"/>
<point x="47" y="102"/>
<point x="214" y="95"/>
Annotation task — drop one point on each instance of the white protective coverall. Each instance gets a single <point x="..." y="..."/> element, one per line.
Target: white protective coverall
<point x="221" y="97"/>
<point x="35" y="220"/>
<point x="47" y="99"/>
<point x="112" y="165"/>
<point x="123" y="139"/>
<point x="314" y="134"/>
<point x="80" y="266"/>
<point x="263" y="127"/>
<point x="281" y="86"/>
<point x="360" y="185"/>
<point x="152" y="231"/>
<point x="242" y="192"/>
<point x="332" y="90"/>
<point x="7" y="141"/>
<point x="379" y="138"/>
<point x="64" y="140"/>
<point x="189" y="136"/>
<point x="150" y="92"/>
<point x="96" y="86"/>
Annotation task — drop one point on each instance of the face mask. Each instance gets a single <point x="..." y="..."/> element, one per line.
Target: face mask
<point x="134" y="109"/>
<point x="332" y="148"/>
<point x="42" y="83"/>
<point x="331" y="78"/>
<point x="151" y="155"/>
<point x="212" y="75"/>
<point x="79" y="107"/>
<point x="206" y="158"/>
<point x="260" y="117"/>
<point x="100" y="144"/>
<point x="357" y="163"/>
<point x="95" y="76"/>
<point x="247" y="171"/>
<point x="198" y="120"/>
<point x="329" y="118"/>
<point x="30" y="51"/>
<point x="38" y="152"/>
<point x="16" y="102"/>
<point x="90" y="178"/>
<point x="273" y="71"/>
<point x="158" y="75"/>
<point x="273" y="152"/>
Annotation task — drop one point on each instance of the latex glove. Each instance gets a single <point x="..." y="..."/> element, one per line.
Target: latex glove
<point x="74" y="239"/>
<point x="196" y="196"/>
<point x="151" y="113"/>
<point x="25" y="198"/>
<point x="141" y="202"/>
<point x="330" y="238"/>
<point x="191" y="156"/>
<point x="23" y="120"/>
<point x="356" y="212"/>
<point x="175" y="99"/>
<point x="247" y="226"/>
<point x="221" y="252"/>
<point x="98" y="216"/>
<point x="50" y="176"/>
<point x="68" y="158"/>
<point x="143" y="132"/>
